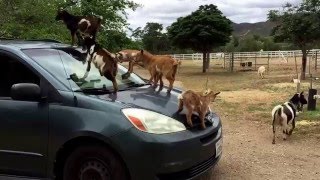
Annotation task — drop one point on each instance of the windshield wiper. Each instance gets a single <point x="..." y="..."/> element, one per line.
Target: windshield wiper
<point x="94" y="91"/>
<point x="138" y="84"/>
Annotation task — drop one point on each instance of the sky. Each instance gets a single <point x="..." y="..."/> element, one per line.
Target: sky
<point x="167" y="11"/>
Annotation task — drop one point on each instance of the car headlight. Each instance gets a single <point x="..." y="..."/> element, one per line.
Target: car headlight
<point x="152" y="122"/>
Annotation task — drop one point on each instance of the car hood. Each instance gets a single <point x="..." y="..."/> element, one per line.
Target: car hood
<point x="148" y="98"/>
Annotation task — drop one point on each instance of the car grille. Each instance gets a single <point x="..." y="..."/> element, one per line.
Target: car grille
<point x="190" y="173"/>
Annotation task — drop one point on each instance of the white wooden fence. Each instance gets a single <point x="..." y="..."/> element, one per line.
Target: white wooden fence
<point x="258" y="54"/>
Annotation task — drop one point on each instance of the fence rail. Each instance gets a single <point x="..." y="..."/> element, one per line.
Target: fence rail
<point x="258" y="54"/>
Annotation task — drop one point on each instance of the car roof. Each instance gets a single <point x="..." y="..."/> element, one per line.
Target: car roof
<point x="34" y="44"/>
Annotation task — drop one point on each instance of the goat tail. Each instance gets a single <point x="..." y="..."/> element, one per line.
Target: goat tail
<point x="275" y="112"/>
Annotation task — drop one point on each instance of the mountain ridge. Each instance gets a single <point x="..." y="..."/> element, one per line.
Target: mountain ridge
<point x="258" y="28"/>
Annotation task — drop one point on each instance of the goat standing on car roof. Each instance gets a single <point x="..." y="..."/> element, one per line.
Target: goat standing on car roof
<point x="286" y="113"/>
<point x="80" y="25"/>
<point x="103" y="60"/>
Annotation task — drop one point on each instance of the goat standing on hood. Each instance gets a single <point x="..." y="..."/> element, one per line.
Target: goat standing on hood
<point x="102" y="59"/>
<point x="196" y="102"/>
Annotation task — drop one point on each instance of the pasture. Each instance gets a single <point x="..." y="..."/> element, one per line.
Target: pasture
<point x="245" y="105"/>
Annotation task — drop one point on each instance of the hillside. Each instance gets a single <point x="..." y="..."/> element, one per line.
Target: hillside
<point x="259" y="28"/>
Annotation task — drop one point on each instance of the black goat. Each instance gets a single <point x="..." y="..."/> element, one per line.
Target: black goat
<point x="286" y="113"/>
<point x="80" y="25"/>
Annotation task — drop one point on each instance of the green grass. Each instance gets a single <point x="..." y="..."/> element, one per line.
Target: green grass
<point x="257" y="107"/>
<point x="311" y="115"/>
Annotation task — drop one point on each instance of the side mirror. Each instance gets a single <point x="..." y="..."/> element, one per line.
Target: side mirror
<point x="26" y="92"/>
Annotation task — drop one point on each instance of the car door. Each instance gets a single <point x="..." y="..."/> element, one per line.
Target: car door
<point x="23" y="124"/>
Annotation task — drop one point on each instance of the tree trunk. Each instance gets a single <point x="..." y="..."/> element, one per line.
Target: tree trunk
<point x="204" y="62"/>
<point x="208" y="61"/>
<point x="304" y="64"/>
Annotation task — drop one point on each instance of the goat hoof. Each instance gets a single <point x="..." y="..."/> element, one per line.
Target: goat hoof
<point x="125" y="76"/>
<point x="284" y="139"/>
<point x="273" y="142"/>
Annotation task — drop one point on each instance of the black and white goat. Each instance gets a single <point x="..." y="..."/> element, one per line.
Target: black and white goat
<point x="286" y="113"/>
<point x="103" y="60"/>
<point x="79" y="25"/>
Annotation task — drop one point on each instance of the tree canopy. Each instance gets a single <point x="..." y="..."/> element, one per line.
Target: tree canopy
<point x="152" y="37"/>
<point x="34" y="19"/>
<point x="202" y="30"/>
<point x="299" y="25"/>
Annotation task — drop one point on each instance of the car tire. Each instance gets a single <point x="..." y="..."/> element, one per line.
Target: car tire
<point x="93" y="162"/>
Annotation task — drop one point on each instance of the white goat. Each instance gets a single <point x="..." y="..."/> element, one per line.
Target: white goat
<point x="261" y="71"/>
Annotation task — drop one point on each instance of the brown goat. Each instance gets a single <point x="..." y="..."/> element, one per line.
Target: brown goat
<point x="103" y="60"/>
<point x="79" y="25"/>
<point x="196" y="102"/>
<point x="158" y="66"/>
<point x="128" y="55"/>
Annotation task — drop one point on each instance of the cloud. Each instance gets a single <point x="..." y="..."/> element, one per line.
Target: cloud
<point x="167" y="11"/>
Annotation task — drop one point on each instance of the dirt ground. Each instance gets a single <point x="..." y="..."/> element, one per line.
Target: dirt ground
<point x="245" y="105"/>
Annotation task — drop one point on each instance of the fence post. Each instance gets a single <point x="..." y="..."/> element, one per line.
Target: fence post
<point x="295" y="61"/>
<point x="309" y="64"/>
<point x="224" y="60"/>
<point x="268" y="62"/>
<point x="255" y="62"/>
<point x="316" y="61"/>
<point x="232" y="61"/>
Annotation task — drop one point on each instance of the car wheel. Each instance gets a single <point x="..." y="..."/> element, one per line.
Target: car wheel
<point x="93" y="162"/>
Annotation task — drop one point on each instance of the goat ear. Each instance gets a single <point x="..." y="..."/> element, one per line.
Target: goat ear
<point x="141" y="51"/>
<point x="301" y="92"/>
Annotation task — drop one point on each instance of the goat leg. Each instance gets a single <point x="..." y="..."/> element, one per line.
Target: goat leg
<point x="115" y="85"/>
<point x="284" y="132"/>
<point x="87" y="71"/>
<point x="293" y="126"/>
<point x="203" y="125"/>
<point x="189" y="115"/>
<point x="161" y="83"/>
<point x="171" y="81"/>
<point x="156" y="79"/>
<point x="72" y="37"/>
<point x="274" y="131"/>
<point x="127" y="74"/>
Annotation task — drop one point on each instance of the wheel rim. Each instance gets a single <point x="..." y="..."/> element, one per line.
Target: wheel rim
<point x="94" y="170"/>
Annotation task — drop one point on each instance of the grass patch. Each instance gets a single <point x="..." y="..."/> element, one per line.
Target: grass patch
<point x="257" y="107"/>
<point x="311" y="115"/>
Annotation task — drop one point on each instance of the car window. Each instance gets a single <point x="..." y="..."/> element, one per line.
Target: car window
<point x="69" y="69"/>
<point x="12" y="72"/>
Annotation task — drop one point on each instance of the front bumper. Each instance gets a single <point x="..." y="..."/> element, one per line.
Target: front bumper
<point x="183" y="155"/>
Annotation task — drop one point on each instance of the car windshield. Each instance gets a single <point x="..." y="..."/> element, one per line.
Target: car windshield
<point x="68" y="67"/>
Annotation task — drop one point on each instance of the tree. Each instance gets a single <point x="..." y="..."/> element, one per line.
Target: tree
<point x="152" y="34"/>
<point x="152" y="37"/>
<point x="299" y="25"/>
<point x="34" y="19"/>
<point x="202" y="30"/>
